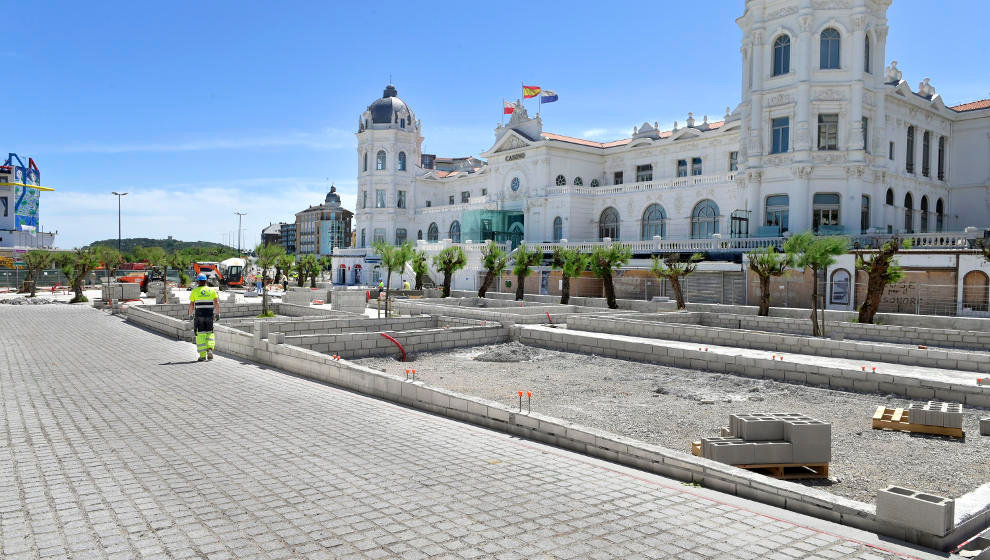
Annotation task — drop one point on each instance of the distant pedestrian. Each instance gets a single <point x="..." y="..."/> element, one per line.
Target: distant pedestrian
<point x="204" y="308"/>
<point x="405" y="284"/>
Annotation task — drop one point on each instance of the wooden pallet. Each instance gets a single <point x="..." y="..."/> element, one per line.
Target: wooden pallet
<point x="783" y="471"/>
<point x="899" y="419"/>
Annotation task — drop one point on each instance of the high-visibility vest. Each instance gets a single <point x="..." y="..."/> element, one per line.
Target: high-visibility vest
<point x="202" y="297"/>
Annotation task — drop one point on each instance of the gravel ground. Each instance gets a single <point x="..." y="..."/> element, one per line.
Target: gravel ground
<point x="672" y="407"/>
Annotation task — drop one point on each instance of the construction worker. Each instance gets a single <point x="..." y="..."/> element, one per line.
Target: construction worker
<point x="204" y="308"/>
<point x="405" y="284"/>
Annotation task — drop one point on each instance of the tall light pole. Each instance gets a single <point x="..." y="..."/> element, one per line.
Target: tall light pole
<point x="239" y="216"/>
<point x="119" y="195"/>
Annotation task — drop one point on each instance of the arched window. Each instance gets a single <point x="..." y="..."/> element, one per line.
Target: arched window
<point x="558" y="229"/>
<point x="560" y="181"/>
<point x="419" y="235"/>
<point x="926" y="153"/>
<point x="939" y="215"/>
<point x="866" y="54"/>
<point x="365" y="162"/>
<point x="608" y="224"/>
<point x="515" y="183"/>
<point x="704" y="219"/>
<point x="941" y="158"/>
<point x="402" y="161"/>
<point x="595" y="183"/>
<point x="924" y="214"/>
<point x="829" y="49"/>
<point x="778" y="212"/>
<point x="455" y="232"/>
<point x="908" y="213"/>
<point x="864" y="217"/>
<point x="400" y="236"/>
<point x="578" y="182"/>
<point x="890" y="197"/>
<point x="976" y="291"/>
<point x="654" y="222"/>
<point x="909" y="153"/>
<point x="380" y="161"/>
<point x="433" y="232"/>
<point x="781" y="55"/>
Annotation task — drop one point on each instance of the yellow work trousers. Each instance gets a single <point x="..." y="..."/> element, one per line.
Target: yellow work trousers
<point x="205" y="341"/>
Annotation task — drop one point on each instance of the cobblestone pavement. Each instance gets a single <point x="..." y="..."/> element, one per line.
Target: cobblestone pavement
<point x="115" y="444"/>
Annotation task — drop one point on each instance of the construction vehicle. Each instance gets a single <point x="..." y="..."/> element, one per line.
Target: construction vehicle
<point x="142" y="274"/>
<point x="226" y="274"/>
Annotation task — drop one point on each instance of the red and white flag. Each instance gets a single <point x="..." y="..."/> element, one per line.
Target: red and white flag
<point x="507" y="108"/>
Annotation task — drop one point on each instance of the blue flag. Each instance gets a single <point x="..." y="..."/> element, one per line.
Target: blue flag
<point x="548" y="96"/>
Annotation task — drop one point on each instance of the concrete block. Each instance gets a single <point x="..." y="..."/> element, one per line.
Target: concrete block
<point x="924" y="512"/>
<point x="276" y="338"/>
<point x="766" y="452"/>
<point x="985" y="426"/>
<point x="811" y="440"/>
<point x="760" y="428"/>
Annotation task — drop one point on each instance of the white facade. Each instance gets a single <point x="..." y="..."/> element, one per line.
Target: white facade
<point x="814" y="70"/>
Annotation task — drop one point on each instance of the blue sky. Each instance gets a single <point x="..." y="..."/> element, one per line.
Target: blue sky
<point x="201" y="109"/>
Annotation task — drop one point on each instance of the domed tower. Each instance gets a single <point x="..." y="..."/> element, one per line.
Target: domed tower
<point x="812" y="139"/>
<point x="389" y="148"/>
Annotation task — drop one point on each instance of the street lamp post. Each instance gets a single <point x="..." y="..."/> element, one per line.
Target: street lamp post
<point x="119" y="195"/>
<point x="239" y="216"/>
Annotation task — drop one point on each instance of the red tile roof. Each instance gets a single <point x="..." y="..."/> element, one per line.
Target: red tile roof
<point x="972" y="106"/>
<point x="623" y="142"/>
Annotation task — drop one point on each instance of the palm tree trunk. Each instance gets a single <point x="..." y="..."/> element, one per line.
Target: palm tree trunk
<point x="874" y="292"/>
<point x="388" y="289"/>
<point x="446" y="282"/>
<point x="485" y="284"/>
<point x="764" y="296"/>
<point x="609" y="291"/>
<point x="815" y="331"/>
<point x="565" y="289"/>
<point x="520" y="287"/>
<point x="419" y="281"/>
<point x="675" y="283"/>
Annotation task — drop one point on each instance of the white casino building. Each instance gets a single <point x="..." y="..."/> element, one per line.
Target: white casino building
<point x="826" y="137"/>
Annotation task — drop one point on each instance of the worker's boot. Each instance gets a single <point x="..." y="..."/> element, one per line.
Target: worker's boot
<point x="209" y="354"/>
<point x="201" y="359"/>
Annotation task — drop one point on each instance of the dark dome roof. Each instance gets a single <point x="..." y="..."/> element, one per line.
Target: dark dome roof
<point x="383" y="110"/>
<point x="332" y="197"/>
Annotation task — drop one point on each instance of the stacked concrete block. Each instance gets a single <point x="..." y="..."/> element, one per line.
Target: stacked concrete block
<point x="121" y="291"/>
<point x="771" y="438"/>
<point x="349" y="301"/>
<point x="155" y="289"/>
<point x="925" y="512"/>
<point x="936" y="413"/>
<point x="985" y="426"/>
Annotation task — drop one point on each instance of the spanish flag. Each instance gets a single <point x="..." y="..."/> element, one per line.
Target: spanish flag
<point x="530" y="92"/>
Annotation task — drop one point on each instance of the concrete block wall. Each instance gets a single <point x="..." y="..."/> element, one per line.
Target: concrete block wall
<point x="178" y="329"/>
<point x="355" y="345"/>
<point x="655" y="352"/>
<point x="121" y="291"/>
<point x="917" y="510"/>
<point x="728" y="335"/>
<point x="181" y="310"/>
<point x="350" y="301"/>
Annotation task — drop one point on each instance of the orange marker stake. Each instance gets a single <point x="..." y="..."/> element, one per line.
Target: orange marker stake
<point x="706" y="348"/>
<point x="529" y="401"/>
<point x="864" y="368"/>
<point x="414" y="375"/>
<point x="520" y="401"/>
<point x="874" y="369"/>
<point x="407" y="374"/>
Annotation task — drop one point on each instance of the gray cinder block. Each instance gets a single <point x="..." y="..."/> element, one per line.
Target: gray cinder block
<point x="910" y="508"/>
<point x="985" y="426"/>
<point x="732" y="453"/>
<point x="757" y="428"/>
<point x="726" y="431"/>
<point x="706" y="444"/>
<point x="766" y="452"/>
<point x="811" y="440"/>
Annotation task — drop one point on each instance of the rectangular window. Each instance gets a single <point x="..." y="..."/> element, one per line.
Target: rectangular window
<point x="941" y="158"/>
<point x="484" y="192"/>
<point x="780" y="129"/>
<point x="926" y="154"/>
<point x="379" y="236"/>
<point x="380" y="198"/>
<point x="696" y="166"/>
<point x="400" y="202"/>
<point x="866" y="135"/>
<point x="891" y="156"/>
<point x="828" y="131"/>
<point x="864" y="219"/>
<point x="364" y="199"/>
<point x="909" y="162"/>
<point x="617" y="178"/>
<point x="644" y="172"/>
<point x="450" y="199"/>
<point x="363" y="240"/>
<point x="400" y="236"/>
<point x="733" y="161"/>
<point x="3" y="206"/>
<point x="429" y="203"/>
<point x="465" y="197"/>
<point x="825" y="213"/>
<point x="682" y="168"/>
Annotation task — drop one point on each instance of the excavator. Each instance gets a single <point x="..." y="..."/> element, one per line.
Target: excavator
<point x="226" y="274"/>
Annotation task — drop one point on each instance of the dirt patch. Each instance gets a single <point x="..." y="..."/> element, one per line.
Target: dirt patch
<point x="673" y="407"/>
<point x="510" y="352"/>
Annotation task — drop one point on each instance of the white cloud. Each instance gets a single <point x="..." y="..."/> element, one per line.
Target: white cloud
<point x="327" y="139"/>
<point x="188" y="211"/>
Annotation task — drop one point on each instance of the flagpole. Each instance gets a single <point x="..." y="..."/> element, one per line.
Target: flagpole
<point x="503" y="112"/>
